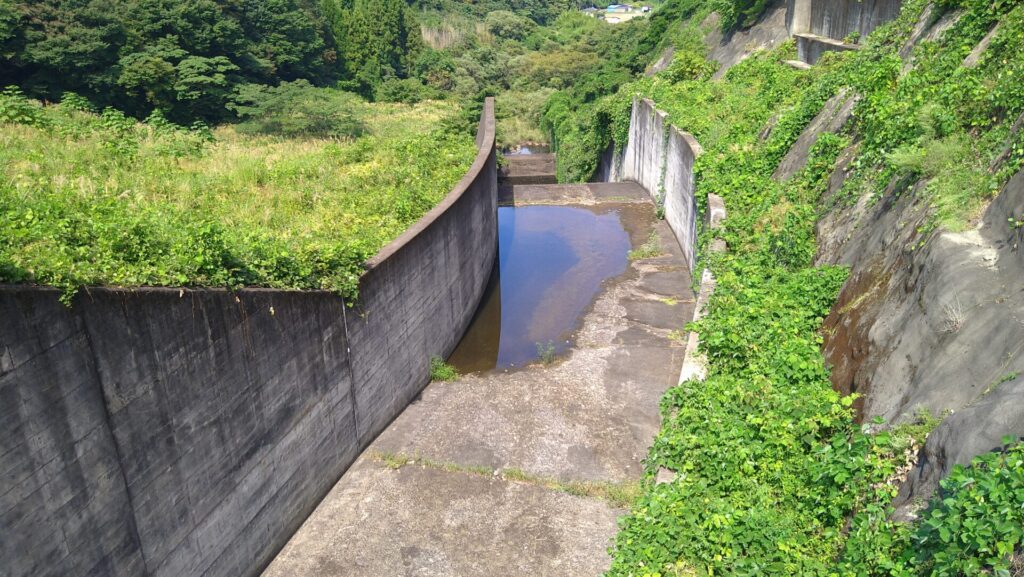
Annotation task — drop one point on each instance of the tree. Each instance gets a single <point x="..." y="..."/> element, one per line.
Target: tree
<point x="297" y="109"/>
<point x="509" y="26"/>
<point x="379" y="39"/>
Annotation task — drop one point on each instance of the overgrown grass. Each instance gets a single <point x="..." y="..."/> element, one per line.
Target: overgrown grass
<point x="518" y="116"/>
<point x="442" y="371"/>
<point x="90" y="199"/>
<point x="649" y="249"/>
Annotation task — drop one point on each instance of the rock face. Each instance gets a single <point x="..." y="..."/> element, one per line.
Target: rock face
<point x="930" y="323"/>
<point x="729" y="49"/>
<point x="925" y="321"/>
<point x="170" y="432"/>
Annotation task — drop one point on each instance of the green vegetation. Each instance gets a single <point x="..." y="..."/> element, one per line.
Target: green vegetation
<point x="774" y="475"/>
<point x="546" y="352"/>
<point x="100" y="199"/>
<point x="442" y="371"/>
<point x="649" y="249"/>
<point x="187" y="59"/>
<point x="975" y="528"/>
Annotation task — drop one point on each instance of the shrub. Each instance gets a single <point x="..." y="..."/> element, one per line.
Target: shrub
<point x="687" y="65"/>
<point x="298" y="109"/>
<point x="442" y="371"/>
<point x="407" y="91"/>
<point x="508" y="25"/>
<point x="15" y="108"/>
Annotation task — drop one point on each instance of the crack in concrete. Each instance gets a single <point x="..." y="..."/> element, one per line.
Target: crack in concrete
<point x="617" y="494"/>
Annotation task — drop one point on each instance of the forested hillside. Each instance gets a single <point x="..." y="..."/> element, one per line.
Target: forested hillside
<point x="187" y="58"/>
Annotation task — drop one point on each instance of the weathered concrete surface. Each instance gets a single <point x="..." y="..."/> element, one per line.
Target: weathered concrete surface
<point x="927" y="320"/>
<point x="811" y="47"/>
<point x="424" y="521"/>
<point x="167" y="432"/>
<point x="581" y="194"/>
<point x="695" y="364"/>
<point x="659" y="157"/>
<point x="832" y="118"/>
<point x="730" y="49"/>
<point x="420" y="292"/>
<point x="932" y="323"/>
<point x="64" y="506"/>
<point x="588" y="417"/>
<point x="529" y="169"/>
<point x="837" y="19"/>
<point x="171" y="432"/>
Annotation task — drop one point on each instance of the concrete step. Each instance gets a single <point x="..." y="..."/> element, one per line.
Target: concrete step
<point x="588" y="193"/>
<point x="528" y="169"/>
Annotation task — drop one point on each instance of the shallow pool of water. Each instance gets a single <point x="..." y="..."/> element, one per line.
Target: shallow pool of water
<point x="525" y="149"/>
<point x="552" y="260"/>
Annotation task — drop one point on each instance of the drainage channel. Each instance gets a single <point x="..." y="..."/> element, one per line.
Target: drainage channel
<point x="514" y="472"/>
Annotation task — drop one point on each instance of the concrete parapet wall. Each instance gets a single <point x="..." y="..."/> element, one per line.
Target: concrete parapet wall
<point x="694" y="363"/>
<point x="660" y="158"/>
<point x="168" y="432"/>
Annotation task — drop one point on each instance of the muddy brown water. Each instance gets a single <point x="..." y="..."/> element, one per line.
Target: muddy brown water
<point x="552" y="261"/>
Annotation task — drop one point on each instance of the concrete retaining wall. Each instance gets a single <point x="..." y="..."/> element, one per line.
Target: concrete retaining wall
<point x="660" y="158"/>
<point x="837" y="19"/>
<point x="171" y="432"/>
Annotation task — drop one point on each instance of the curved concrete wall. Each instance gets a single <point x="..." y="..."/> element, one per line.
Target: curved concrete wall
<point x="660" y="158"/>
<point x="168" y="432"/>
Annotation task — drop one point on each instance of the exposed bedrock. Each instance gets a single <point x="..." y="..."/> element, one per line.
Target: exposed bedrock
<point x="929" y="322"/>
<point x="180" y="432"/>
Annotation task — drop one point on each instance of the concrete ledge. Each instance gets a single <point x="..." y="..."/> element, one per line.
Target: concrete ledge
<point x="810" y="47"/>
<point x="839" y="18"/>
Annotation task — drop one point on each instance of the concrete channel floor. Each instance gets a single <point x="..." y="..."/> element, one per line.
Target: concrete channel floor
<point x="518" y="472"/>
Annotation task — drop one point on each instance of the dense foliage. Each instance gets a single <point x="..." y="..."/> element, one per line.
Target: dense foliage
<point x="188" y="58"/>
<point x="774" y="476"/>
<point x="100" y="199"/>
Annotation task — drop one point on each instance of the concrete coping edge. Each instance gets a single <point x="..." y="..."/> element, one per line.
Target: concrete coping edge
<point x="485" y="139"/>
<point x="826" y="40"/>
<point x="695" y="365"/>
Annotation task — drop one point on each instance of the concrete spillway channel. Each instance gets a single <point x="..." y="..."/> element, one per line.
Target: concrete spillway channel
<point x="521" y="466"/>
